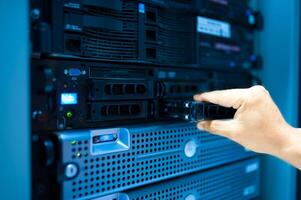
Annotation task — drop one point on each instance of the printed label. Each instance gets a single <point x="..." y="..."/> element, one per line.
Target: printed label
<point x="72" y="27"/>
<point x="213" y="27"/>
<point x="72" y="5"/>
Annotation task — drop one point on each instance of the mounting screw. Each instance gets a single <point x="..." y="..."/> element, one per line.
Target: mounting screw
<point x="190" y="197"/>
<point x="36" y="113"/>
<point x="35" y="14"/>
<point x="71" y="170"/>
<point x="61" y="126"/>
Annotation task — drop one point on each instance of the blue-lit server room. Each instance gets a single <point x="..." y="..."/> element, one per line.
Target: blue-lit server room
<point x="150" y="100"/>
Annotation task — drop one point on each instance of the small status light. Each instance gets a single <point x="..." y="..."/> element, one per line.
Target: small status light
<point x="141" y="8"/>
<point x="78" y="154"/>
<point x="69" y="114"/>
<point x="73" y="142"/>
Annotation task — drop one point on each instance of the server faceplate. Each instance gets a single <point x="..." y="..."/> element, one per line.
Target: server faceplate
<point x="73" y="94"/>
<point x="146" y="31"/>
<point x="235" y="181"/>
<point x="97" y="162"/>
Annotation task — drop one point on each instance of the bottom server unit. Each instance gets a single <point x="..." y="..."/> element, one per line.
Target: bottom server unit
<point x="91" y="163"/>
<point x="232" y="182"/>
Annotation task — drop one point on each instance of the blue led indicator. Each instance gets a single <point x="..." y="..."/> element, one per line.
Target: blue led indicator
<point x="162" y="74"/>
<point x="171" y="74"/>
<point x="253" y="58"/>
<point x="68" y="98"/>
<point x="232" y="64"/>
<point x="252" y="19"/>
<point x="141" y="8"/>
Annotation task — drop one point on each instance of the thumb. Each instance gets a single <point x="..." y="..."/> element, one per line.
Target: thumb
<point x="226" y="128"/>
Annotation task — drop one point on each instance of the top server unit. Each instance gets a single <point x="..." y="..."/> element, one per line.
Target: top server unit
<point x="128" y="31"/>
<point x="102" y="29"/>
<point x="146" y="31"/>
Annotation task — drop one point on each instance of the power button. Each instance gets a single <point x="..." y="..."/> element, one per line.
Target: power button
<point x="190" y="148"/>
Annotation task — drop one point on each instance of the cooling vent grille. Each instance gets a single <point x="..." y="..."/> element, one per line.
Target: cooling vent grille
<point x="225" y="184"/>
<point x="174" y="36"/>
<point x="109" y="44"/>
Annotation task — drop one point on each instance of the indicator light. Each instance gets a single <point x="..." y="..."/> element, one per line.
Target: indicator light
<point x="73" y="142"/>
<point x="141" y="8"/>
<point x="69" y="114"/>
<point x="68" y="98"/>
<point x="78" y="154"/>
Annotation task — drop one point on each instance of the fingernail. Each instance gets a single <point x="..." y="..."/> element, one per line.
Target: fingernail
<point x="197" y="96"/>
<point x="200" y="126"/>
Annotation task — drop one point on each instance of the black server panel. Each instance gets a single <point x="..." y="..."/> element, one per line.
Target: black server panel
<point x="86" y="94"/>
<point x="87" y="28"/>
<point x="158" y="32"/>
<point x="129" y="30"/>
<point x="168" y="32"/>
<point x="221" y="44"/>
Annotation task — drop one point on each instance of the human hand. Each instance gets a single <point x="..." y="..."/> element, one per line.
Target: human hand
<point x="257" y="125"/>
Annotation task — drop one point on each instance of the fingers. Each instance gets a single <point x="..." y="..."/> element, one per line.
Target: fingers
<point x="226" y="128"/>
<point x="227" y="98"/>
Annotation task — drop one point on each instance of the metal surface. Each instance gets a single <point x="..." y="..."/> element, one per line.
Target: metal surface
<point x="14" y="101"/>
<point x="155" y="152"/>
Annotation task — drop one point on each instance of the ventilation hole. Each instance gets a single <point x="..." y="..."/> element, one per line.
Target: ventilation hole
<point x="151" y="53"/>
<point x="151" y="16"/>
<point x="73" y="45"/>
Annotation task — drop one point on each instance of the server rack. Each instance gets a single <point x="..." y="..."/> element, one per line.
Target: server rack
<point x="102" y="73"/>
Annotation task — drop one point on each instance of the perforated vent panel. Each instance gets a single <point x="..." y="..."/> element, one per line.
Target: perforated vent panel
<point x="155" y="153"/>
<point x="174" y="36"/>
<point x="109" y="44"/>
<point x="231" y="182"/>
